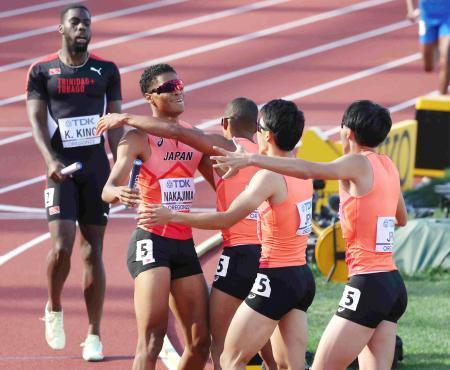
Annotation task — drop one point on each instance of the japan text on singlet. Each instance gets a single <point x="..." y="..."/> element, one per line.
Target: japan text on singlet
<point x="243" y="232"/>
<point x="368" y="221"/>
<point x="167" y="178"/>
<point x="76" y="98"/>
<point x="284" y="228"/>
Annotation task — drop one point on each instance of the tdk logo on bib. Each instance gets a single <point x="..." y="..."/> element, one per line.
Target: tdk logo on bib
<point x="179" y="183"/>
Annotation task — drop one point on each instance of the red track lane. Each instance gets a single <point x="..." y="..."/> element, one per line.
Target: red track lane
<point x="22" y="279"/>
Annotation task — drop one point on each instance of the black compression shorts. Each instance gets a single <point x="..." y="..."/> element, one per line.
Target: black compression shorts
<point x="78" y="198"/>
<point x="277" y="291"/>
<point x="369" y="299"/>
<point x="236" y="270"/>
<point x="147" y="250"/>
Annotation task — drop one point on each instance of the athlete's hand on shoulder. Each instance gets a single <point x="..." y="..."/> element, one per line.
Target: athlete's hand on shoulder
<point x="153" y="214"/>
<point x="110" y="121"/>
<point x="54" y="168"/>
<point x="129" y="197"/>
<point x="231" y="162"/>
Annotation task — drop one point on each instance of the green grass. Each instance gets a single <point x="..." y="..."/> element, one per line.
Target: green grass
<point x="424" y="328"/>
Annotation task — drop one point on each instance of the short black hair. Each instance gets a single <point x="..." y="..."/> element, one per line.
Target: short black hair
<point x="151" y="73"/>
<point x="285" y="121"/>
<point x="70" y="7"/>
<point x="245" y="112"/>
<point x="369" y="121"/>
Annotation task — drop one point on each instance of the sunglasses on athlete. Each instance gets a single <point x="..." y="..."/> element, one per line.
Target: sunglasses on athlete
<point x="223" y="119"/>
<point x="169" y="87"/>
<point x="260" y="127"/>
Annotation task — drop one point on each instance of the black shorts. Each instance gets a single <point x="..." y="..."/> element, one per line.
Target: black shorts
<point x="79" y="198"/>
<point x="278" y="290"/>
<point x="236" y="270"/>
<point x="369" y="299"/>
<point x="147" y="251"/>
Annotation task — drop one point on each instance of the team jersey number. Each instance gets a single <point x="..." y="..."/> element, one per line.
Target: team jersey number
<point x="144" y="251"/>
<point x="350" y="298"/>
<point x="222" y="266"/>
<point x="262" y="286"/>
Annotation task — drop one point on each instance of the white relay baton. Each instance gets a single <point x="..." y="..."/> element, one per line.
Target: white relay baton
<point x="72" y="168"/>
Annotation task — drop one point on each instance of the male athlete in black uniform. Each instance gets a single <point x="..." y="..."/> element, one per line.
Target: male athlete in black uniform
<point x="67" y="92"/>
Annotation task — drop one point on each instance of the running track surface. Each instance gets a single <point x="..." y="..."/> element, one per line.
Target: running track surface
<point x="320" y="53"/>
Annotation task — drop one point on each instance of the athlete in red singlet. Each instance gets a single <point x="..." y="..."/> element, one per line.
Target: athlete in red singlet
<point x="163" y="260"/>
<point x="238" y="264"/>
<point x="284" y="286"/>
<point x="371" y="205"/>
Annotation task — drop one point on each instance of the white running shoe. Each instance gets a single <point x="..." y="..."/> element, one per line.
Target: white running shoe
<point x="54" y="329"/>
<point x="92" y="348"/>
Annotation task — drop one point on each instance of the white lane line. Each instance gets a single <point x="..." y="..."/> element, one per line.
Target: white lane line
<point x="24" y="247"/>
<point x="35" y="8"/>
<point x="109" y="15"/>
<point x="22" y="184"/>
<point x="158" y="30"/>
<point x="21" y="209"/>
<point x="14" y="138"/>
<point x="15" y="129"/>
<point x="285" y="59"/>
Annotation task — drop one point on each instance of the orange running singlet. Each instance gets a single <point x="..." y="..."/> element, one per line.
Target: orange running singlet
<point x="243" y="232"/>
<point x="284" y="228"/>
<point x="368" y="220"/>
<point x="167" y="177"/>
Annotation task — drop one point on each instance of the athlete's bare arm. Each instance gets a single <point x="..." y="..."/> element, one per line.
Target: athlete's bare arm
<point x="195" y="138"/>
<point x="133" y="145"/>
<point x="115" y="134"/>
<point x="265" y="185"/>
<point x="37" y="115"/>
<point x="351" y="167"/>
<point x="401" y="214"/>
<point x="412" y="12"/>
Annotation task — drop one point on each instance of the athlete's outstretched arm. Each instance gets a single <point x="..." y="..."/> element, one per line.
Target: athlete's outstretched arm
<point x="261" y="187"/>
<point x="37" y="115"/>
<point x="347" y="167"/>
<point x="115" y="134"/>
<point x="193" y="137"/>
<point x="133" y="145"/>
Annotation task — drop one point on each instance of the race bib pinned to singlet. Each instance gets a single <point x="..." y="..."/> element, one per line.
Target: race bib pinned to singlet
<point x="305" y="212"/>
<point x="177" y="194"/>
<point x="385" y="234"/>
<point x="79" y="131"/>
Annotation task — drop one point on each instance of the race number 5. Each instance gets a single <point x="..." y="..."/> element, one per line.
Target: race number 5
<point x="350" y="298"/>
<point x="262" y="286"/>
<point x="144" y="251"/>
<point x="222" y="266"/>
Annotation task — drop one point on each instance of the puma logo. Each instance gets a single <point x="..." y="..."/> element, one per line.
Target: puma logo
<point x="97" y="70"/>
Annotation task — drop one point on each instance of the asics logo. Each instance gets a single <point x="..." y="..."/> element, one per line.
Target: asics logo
<point x="97" y="70"/>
